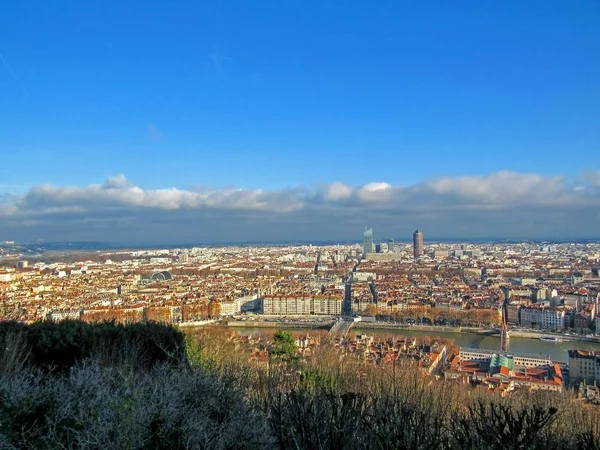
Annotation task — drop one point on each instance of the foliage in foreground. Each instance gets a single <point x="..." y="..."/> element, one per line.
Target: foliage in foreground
<point x="339" y="402"/>
<point x="222" y="399"/>
<point x="102" y="408"/>
<point x="59" y="346"/>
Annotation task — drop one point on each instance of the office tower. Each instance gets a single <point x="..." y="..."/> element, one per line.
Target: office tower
<point x="368" y="240"/>
<point x="417" y="244"/>
<point x="391" y="245"/>
<point x="377" y="248"/>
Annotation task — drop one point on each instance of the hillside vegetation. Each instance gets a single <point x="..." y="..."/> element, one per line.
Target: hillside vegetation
<point x="146" y="386"/>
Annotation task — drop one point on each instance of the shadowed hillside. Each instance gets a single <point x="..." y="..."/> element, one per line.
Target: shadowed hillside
<point x="147" y="386"/>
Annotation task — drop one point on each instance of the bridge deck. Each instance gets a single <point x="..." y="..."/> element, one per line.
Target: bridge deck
<point x="341" y="327"/>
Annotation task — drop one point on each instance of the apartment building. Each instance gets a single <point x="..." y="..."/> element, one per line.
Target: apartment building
<point x="582" y="321"/>
<point x="544" y="318"/>
<point x="230" y="307"/>
<point x="584" y="365"/>
<point x="329" y="306"/>
<point x="514" y="313"/>
<point x="302" y="305"/>
<point x="293" y="306"/>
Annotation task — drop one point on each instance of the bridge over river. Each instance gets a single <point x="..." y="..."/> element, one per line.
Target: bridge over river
<point x="342" y="326"/>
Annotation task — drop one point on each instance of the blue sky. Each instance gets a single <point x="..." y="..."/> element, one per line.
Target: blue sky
<point x="298" y="94"/>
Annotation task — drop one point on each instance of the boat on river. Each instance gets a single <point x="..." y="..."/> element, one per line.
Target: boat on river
<point x="550" y="339"/>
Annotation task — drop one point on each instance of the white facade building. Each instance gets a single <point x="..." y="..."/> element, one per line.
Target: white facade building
<point x="302" y="306"/>
<point x="584" y="365"/>
<point x="519" y="359"/>
<point x="544" y="318"/>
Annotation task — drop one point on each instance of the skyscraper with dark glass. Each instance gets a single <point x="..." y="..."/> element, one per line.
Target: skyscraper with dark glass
<point x="418" y="244"/>
<point x="368" y="241"/>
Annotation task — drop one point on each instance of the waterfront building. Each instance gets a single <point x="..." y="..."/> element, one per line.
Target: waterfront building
<point x="513" y="313"/>
<point x="584" y="365"/>
<point x="582" y="321"/>
<point x="527" y="360"/>
<point x="506" y="372"/>
<point x="303" y="305"/>
<point x="544" y="318"/>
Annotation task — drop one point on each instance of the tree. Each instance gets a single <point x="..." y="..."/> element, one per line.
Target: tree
<point x="203" y="310"/>
<point x="284" y="345"/>
<point x="502" y="425"/>
<point x="370" y="310"/>
<point x="214" y="309"/>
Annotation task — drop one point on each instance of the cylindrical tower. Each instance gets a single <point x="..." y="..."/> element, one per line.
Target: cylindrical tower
<point x="418" y="244"/>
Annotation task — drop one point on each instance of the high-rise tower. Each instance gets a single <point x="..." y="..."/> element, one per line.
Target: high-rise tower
<point x="417" y="244"/>
<point x="368" y="240"/>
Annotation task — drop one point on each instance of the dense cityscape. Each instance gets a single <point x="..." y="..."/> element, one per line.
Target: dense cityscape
<point x="542" y="291"/>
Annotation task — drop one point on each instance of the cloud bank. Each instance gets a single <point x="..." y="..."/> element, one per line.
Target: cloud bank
<point x="502" y="204"/>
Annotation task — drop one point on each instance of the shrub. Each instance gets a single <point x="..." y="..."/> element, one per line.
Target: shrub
<point x="108" y="386"/>
<point x="59" y="346"/>
<point x="500" y="424"/>
<point x="94" y="407"/>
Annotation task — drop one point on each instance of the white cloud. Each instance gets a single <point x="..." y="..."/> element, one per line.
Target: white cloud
<point x="374" y="192"/>
<point x="117" y="191"/>
<point x="116" y="182"/>
<point x="592" y="177"/>
<point x="501" y="202"/>
<point x="501" y="188"/>
<point x="337" y="191"/>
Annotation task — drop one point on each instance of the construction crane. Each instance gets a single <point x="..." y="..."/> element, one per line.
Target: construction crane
<point x="504" y="331"/>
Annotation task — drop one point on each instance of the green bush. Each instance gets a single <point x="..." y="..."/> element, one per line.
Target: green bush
<point x="59" y="346"/>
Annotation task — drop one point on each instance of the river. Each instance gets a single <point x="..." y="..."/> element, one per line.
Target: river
<point x="556" y="350"/>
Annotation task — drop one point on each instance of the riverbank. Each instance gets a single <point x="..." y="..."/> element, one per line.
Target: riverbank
<point x="470" y="330"/>
<point x="362" y="325"/>
<point x="560" y="337"/>
<point x="366" y="325"/>
<point x="198" y="323"/>
<point x="398" y="327"/>
<point x="317" y="325"/>
<point x="519" y="342"/>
